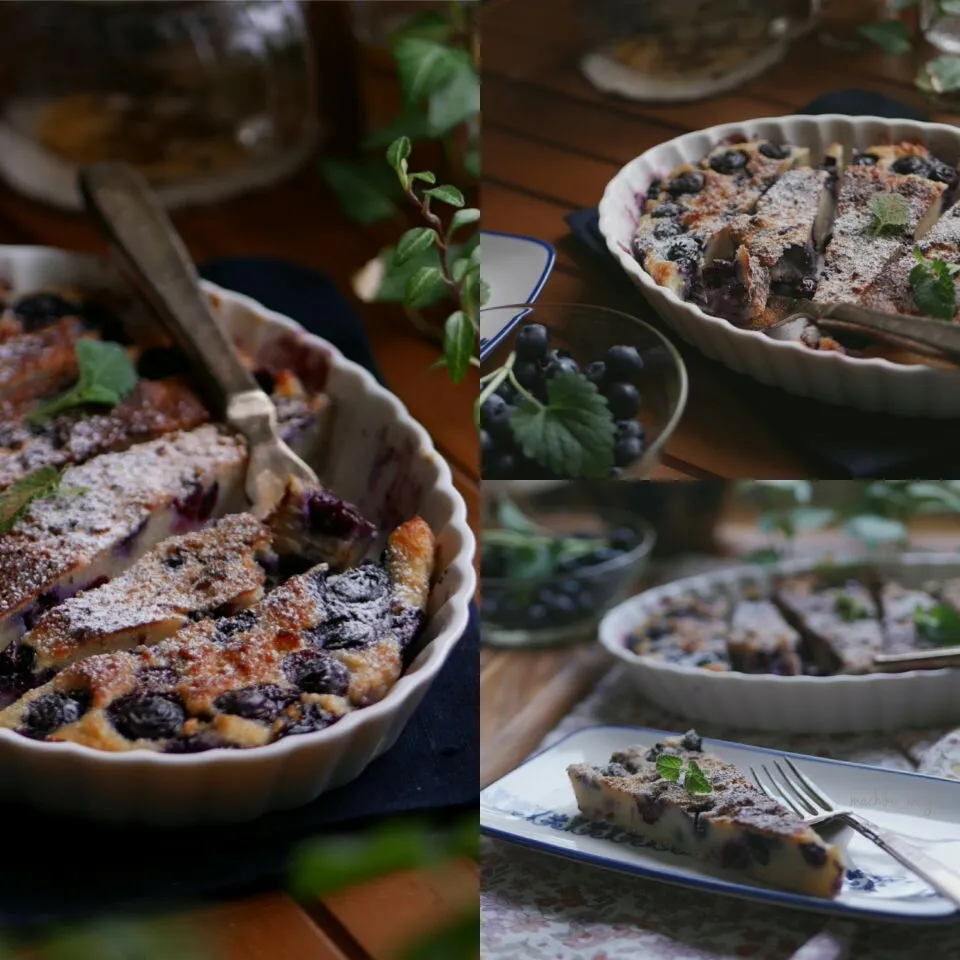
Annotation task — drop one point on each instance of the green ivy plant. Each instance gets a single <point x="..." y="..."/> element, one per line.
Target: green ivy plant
<point x="875" y="515"/>
<point x="939" y="75"/>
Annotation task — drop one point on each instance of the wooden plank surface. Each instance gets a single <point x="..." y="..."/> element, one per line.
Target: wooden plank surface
<point x="552" y="142"/>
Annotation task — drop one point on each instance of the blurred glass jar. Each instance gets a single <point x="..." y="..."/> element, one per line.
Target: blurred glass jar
<point x="206" y="99"/>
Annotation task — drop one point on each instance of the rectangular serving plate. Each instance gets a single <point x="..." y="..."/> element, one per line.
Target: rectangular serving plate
<point x="534" y="806"/>
<point x="515" y="269"/>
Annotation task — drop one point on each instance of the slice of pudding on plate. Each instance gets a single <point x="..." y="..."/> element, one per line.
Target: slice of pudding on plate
<point x="731" y="824"/>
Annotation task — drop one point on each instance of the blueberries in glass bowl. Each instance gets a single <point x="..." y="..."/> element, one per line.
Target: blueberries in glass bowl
<point x="597" y="392"/>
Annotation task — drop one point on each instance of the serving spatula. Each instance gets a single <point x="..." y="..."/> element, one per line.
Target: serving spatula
<point x="800" y="318"/>
<point x="138" y="228"/>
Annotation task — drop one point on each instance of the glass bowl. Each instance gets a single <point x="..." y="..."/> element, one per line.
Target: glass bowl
<point x="566" y="604"/>
<point x="585" y="333"/>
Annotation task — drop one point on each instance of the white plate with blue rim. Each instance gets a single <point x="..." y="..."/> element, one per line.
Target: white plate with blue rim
<point x="534" y="806"/>
<point x="515" y="269"/>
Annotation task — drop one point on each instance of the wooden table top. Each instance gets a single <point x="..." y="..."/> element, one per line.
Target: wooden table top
<point x="299" y="221"/>
<point x="551" y="142"/>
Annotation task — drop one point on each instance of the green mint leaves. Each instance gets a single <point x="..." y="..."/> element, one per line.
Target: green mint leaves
<point x="940" y="624"/>
<point x="670" y="767"/>
<point x="890" y="213"/>
<point x="931" y="282"/>
<point x="41" y="485"/>
<point x="106" y="376"/>
<point x="572" y="435"/>
<point x="892" y="36"/>
<point x="849" y="609"/>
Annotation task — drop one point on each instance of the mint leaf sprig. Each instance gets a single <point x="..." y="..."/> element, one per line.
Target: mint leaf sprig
<point x="694" y="780"/>
<point x="931" y="283"/>
<point x="42" y="484"/>
<point x="940" y="624"/>
<point x="457" y="277"/>
<point x="572" y="434"/>
<point x="890" y="213"/>
<point x="106" y="376"/>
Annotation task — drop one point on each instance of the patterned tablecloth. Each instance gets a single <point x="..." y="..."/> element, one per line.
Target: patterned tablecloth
<point x="536" y="907"/>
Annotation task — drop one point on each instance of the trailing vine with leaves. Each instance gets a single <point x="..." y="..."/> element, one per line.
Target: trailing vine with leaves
<point x="939" y="75"/>
<point x="437" y="63"/>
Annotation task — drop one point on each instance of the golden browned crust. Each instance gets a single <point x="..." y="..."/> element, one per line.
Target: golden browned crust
<point x="411" y="557"/>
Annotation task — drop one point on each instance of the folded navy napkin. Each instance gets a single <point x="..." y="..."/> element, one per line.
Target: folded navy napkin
<point x="59" y="869"/>
<point x="844" y="442"/>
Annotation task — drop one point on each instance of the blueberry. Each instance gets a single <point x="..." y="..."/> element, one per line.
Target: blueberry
<point x="665" y="210"/>
<point x="759" y="848"/>
<point x="561" y="365"/>
<point x="603" y="555"/>
<point x="570" y="588"/>
<point x="683" y="248"/>
<point x="265" y="380"/>
<point x="160" y="362"/>
<point x="537" y="614"/>
<point x="690" y="182"/>
<point x="559" y="605"/>
<point x="503" y="467"/>
<point x="624" y="363"/>
<point x="16" y="665"/>
<point x="814" y="854"/>
<point x="312" y="717"/>
<point x="360" y="585"/>
<point x="343" y="634"/>
<point x="941" y="172"/>
<point x="527" y="373"/>
<point x="487" y="445"/>
<point x="490" y="410"/>
<point x="623" y="399"/>
<point x="774" y="151"/>
<point x="253" y="703"/>
<point x="622" y="538"/>
<point x="596" y="372"/>
<point x="195" y="743"/>
<point x="495" y="417"/>
<point x="653" y="191"/>
<point x="228" y="627"/>
<point x="41" y="310"/>
<point x="197" y="506"/>
<point x="667" y="229"/>
<point x="532" y="342"/>
<point x="147" y="716"/>
<point x="728" y="162"/>
<point x="48" y="713"/>
<point x="317" y="673"/>
<point x="692" y="741"/>
<point x="629" y="428"/>
<point x="864" y="160"/>
<point x="734" y="855"/>
<point x="651" y="808"/>
<point x="506" y="392"/>
<point x="627" y="451"/>
<point x="910" y="164"/>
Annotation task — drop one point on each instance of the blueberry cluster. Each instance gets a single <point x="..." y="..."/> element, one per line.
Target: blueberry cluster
<point x="616" y="377"/>
<point x="928" y="167"/>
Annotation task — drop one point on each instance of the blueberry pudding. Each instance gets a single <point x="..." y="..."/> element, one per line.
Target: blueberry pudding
<point x="754" y="226"/>
<point x="819" y="624"/>
<point x="681" y="798"/>
<point x="616" y="376"/>
<point x="314" y="649"/>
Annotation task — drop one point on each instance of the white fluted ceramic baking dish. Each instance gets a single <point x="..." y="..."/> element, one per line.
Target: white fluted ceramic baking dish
<point x="379" y="458"/>
<point x="866" y="384"/>
<point x="837" y="704"/>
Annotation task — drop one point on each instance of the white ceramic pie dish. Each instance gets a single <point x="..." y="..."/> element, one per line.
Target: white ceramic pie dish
<point x="837" y="704"/>
<point x="868" y="384"/>
<point x="379" y="458"/>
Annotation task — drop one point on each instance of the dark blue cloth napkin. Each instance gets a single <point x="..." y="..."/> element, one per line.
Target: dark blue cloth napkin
<point x="845" y="443"/>
<point x="60" y="869"/>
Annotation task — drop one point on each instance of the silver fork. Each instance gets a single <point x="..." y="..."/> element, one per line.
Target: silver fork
<point x="808" y="801"/>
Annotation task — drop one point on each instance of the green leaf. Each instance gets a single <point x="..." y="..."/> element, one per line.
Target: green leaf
<point x="425" y="175"/>
<point x="484" y="293"/>
<point x="892" y="36"/>
<point x="423" y="286"/>
<point x="890" y="212"/>
<point x="463" y="218"/>
<point x="459" y="344"/>
<point x="471" y="159"/>
<point x="573" y="435"/>
<point x="398" y="153"/>
<point x="940" y="75"/>
<point x="934" y="495"/>
<point x="430" y="24"/>
<point x="455" y="103"/>
<point x="445" y="194"/>
<point x="949" y="8"/>
<point x="511" y="517"/>
<point x="413" y="243"/>
<point x="932" y="286"/>
<point x="365" y="194"/>
<point x="393" y="287"/>
<point x="940" y="624"/>
<point x="459" y="268"/>
<point x="763" y="555"/>
<point x="849" y="609"/>
<point x="695" y="780"/>
<point x="425" y="67"/>
<point x="669" y="766"/>
<point x="16" y="499"/>
<point x="874" y="530"/>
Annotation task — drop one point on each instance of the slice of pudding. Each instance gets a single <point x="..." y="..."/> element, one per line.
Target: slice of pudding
<point x="310" y="652"/>
<point x="899" y="607"/>
<point x="109" y="512"/>
<point x="735" y="826"/>
<point x="42" y="363"/>
<point x="761" y="641"/>
<point x="687" y="630"/>
<point x="839" y="623"/>
<point x="855" y="257"/>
